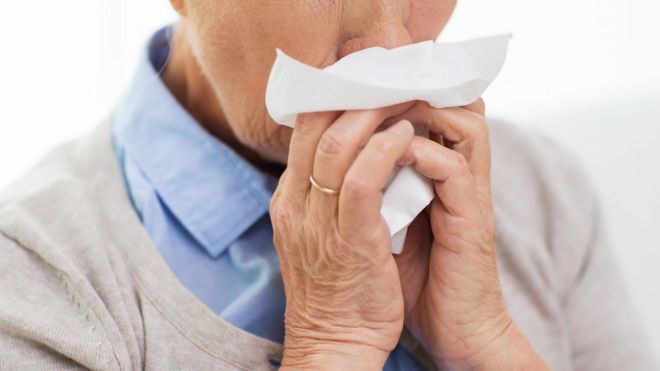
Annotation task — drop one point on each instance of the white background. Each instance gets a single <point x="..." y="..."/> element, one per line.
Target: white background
<point x="585" y="72"/>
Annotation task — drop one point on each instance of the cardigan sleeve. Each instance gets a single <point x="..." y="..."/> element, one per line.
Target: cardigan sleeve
<point x="42" y="323"/>
<point x="605" y="330"/>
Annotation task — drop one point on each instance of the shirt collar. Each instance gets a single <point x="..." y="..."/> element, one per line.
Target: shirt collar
<point x="215" y="193"/>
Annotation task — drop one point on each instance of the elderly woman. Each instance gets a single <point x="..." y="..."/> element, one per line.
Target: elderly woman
<point x="173" y="237"/>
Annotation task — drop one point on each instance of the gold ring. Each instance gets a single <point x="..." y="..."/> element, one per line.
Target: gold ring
<point x="326" y="190"/>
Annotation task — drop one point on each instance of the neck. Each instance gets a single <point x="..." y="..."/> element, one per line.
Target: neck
<point x="188" y="84"/>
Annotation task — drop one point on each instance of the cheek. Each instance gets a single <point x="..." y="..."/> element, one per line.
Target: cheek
<point x="237" y="65"/>
<point x="249" y="120"/>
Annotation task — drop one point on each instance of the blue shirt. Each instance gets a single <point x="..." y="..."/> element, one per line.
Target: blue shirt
<point x="204" y="206"/>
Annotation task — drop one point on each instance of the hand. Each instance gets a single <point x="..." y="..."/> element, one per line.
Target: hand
<point x="454" y="304"/>
<point x="344" y="304"/>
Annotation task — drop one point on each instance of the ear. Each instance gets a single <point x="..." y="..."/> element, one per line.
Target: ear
<point x="179" y="6"/>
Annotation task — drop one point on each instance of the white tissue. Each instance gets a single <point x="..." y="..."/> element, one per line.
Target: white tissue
<point x="443" y="74"/>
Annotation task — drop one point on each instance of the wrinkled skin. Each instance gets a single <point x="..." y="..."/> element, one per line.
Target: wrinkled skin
<point x="347" y="296"/>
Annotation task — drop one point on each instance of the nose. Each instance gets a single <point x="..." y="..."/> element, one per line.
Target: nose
<point x="370" y="23"/>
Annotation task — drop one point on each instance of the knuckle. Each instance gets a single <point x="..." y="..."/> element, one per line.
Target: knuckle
<point x="275" y="201"/>
<point x="453" y="227"/>
<point x="477" y="107"/>
<point x="482" y="105"/>
<point x="332" y="142"/>
<point x="481" y="128"/>
<point x="281" y="210"/>
<point x="311" y="122"/>
<point x="382" y="143"/>
<point x="458" y="164"/>
<point x="284" y="177"/>
<point x="302" y="126"/>
<point x="357" y="188"/>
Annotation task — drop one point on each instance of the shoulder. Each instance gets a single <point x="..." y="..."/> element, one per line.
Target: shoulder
<point x="44" y="323"/>
<point x="527" y="154"/>
<point x="64" y="191"/>
<point x="547" y="212"/>
<point x="44" y="210"/>
<point x="537" y="180"/>
<point x="51" y="253"/>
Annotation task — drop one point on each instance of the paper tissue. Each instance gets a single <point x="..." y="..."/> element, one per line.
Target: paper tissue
<point x="443" y="74"/>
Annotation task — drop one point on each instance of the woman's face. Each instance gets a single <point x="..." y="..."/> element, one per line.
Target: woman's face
<point x="234" y="41"/>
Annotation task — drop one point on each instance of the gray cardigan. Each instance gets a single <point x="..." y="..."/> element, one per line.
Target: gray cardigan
<point x="83" y="286"/>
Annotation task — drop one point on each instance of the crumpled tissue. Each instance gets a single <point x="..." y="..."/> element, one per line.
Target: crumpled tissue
<point x="442" y="74"/>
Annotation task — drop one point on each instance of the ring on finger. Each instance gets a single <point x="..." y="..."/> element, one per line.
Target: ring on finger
<point x="321" y="188"/>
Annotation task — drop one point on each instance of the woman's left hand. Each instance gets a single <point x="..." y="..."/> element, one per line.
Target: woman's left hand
<point x="448" y="271"/>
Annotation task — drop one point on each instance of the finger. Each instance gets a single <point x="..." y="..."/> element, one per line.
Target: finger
<point x="454" y="183"/>
<point x="307" y="132"/>
<point x="338" y="148"/>
<point x="341" y="142"/>
<point x="477" y="106"/>
<point x="465" y="129"/>
<point x="361" y="194"/>
<point x="413" y="262"/>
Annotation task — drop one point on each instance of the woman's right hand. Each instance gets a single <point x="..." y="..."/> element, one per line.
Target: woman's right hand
<point x="344" y="302"/>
